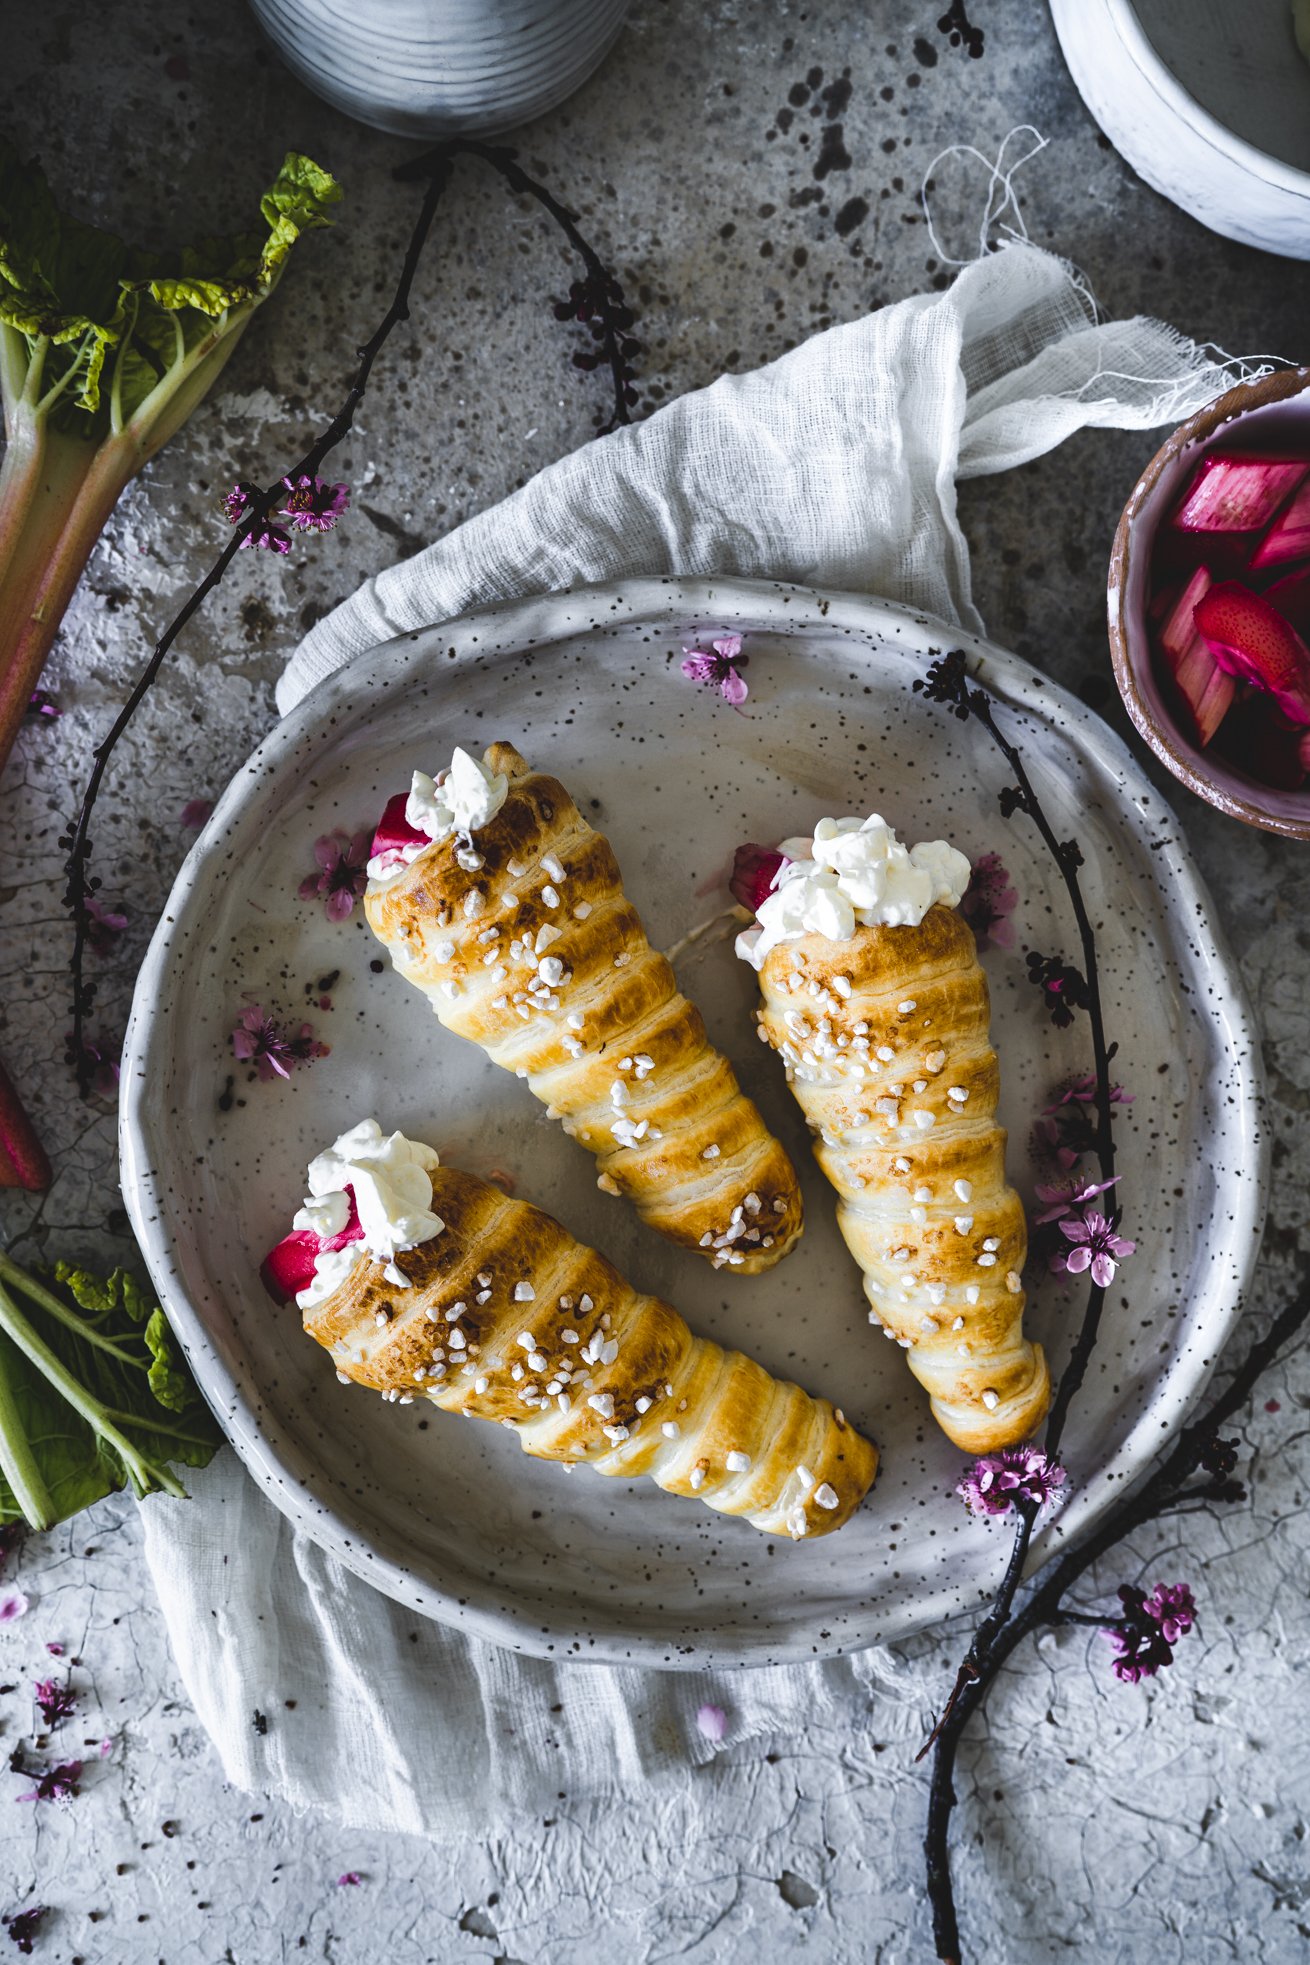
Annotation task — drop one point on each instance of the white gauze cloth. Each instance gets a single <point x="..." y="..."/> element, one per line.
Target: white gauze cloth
<point x="834" y="466"/>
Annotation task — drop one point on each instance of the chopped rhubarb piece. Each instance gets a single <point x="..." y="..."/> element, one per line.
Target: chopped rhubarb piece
<point x="1214" y="705"/>
<point x="394" y="830"/>
<point x="23" y="1161"/>
<point x="1162" y="601"/>
<point x="1251" y="639"/>
<point x="1288" y="537"/>
<point x="1206" y="689"/>
<point x="289" y="1267"/>
<point x="1291" y="596"/>
<point x="755" y="869"/>
<point x="1179" y="631"/>
<point x="1238" y="494"/>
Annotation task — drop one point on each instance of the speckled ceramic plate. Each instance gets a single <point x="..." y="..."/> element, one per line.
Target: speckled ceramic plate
<point x="452" y="1517"/>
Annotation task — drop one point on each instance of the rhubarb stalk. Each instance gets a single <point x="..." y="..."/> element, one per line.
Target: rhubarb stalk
<point x="104" y="352"/>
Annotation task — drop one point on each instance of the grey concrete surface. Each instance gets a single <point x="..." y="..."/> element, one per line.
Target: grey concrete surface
<point x="1096" y="1823"/>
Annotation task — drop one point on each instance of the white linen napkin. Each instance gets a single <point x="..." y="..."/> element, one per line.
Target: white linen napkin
<point x="835" y="466"/>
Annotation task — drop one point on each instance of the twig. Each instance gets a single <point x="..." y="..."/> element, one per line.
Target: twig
<point x="1163" y="1492"/>
<point x="614" y="316"/>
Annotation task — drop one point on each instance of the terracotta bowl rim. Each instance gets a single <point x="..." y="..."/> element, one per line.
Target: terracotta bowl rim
<point x="1162" y="735"/>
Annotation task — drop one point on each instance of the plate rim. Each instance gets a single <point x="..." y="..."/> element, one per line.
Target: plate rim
<point x="280" y="1467"/>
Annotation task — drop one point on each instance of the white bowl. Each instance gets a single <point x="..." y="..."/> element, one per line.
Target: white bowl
<point x="1208" y="101"/>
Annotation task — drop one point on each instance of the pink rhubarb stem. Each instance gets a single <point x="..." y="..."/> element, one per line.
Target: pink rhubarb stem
<point x="23" y="1161"/>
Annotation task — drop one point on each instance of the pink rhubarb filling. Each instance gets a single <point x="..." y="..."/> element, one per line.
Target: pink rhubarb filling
<point x="289" y="1268"/>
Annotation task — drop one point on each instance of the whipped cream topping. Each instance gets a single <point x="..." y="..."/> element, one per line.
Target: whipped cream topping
<point x="461" y="799"/>
<point x="391" y="1178"/>
<point x="854" y="873"/>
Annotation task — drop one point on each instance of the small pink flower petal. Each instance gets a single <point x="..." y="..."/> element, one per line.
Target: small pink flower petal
<point x="733" y="689"/>
<point x="327" y="851"/>
<point x="13" y="1605"/>
<point x="712" y="1721"/>
<point x="55" y="1650"/>
<point x="340" y="903"/>
<point x="729" y="647"/>
<point x="195" y="813"/>
<point x="348" y="1878"/>
<point x="1078" y="1258"/>
<point x="309" y="886"/>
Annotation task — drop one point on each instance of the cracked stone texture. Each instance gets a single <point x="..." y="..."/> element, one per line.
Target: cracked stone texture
<point x="1154" y="1824"/>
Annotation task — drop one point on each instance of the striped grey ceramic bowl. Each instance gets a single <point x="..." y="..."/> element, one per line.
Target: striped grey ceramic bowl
<point x="442" y="68"/>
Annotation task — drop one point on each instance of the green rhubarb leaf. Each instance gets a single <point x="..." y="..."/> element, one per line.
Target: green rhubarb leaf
<point x="101" y="320"/>
<point x="150" y="1396"/>
<point x="168" y="1377"/>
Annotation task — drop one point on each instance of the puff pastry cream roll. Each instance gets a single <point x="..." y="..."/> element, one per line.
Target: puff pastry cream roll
<point x="874" y="998"/>
<point x="425" y="1283"/>
<point x="499" y="901"/>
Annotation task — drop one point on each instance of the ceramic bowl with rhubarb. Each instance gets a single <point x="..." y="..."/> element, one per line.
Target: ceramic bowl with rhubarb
<point x="1209" y="603"/>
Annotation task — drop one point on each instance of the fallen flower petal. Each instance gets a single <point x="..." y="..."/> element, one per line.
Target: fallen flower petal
<point x="712" y="1721"/>
<point x="55" y="1650"/>
<point x="13" y="1605"/>
<point x="719" y="665"/>
<point x="343" y="872"/>
<point x="195" y="813"/>
<point x="259" y="1039"/>
<point x="39" y="704"/>
<point x="348" y="1878"/>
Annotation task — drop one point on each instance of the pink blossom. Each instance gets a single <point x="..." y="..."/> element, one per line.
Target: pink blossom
<point x="989" y="900"/>
<point x="13" y="1605"/>
<point x="237" y="502"/>
<point x="101" y="1059"/>
<point x="342" y="872"/>
<point x="314" y="505"/>
<point x="1095" y="1247"/>
<point x="1061" y="1199"/>
<point x="260" y="1040"/>
<point x="721" y="665"/>
<point x="55" y="1701"/>
<point x="1173" y="1608"/>
<point x="712" y="1721"/>
<point x="39" y="704"/>
<point x="195" y="813"/>
<point x="1067" y="1127"/>
<point x="58" y="1783"/>
<point x="106" y="926"/>
<point x="268" y="538"/>
<point x="348" y="1878"/>
<point x="55" y="1650"/>
<point x="994" y="1482"/>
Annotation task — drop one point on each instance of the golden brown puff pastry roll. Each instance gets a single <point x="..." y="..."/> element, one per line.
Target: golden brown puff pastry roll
<point x="506" y="908"/>
<point x="424" y="1282"/>
<point x="875" y="1000"/>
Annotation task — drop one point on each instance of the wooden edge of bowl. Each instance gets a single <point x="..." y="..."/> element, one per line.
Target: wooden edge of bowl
<point x="1227" y="408"/>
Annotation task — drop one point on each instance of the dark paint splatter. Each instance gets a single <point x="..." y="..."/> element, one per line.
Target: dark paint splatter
<point x="852" y="214"/>
<point x="833" y="154"/>
<point x="960" y="31"/>
<point x="925" y="53"/>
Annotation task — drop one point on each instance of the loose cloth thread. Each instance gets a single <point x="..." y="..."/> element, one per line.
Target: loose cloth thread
<point x="835" y="466"/>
